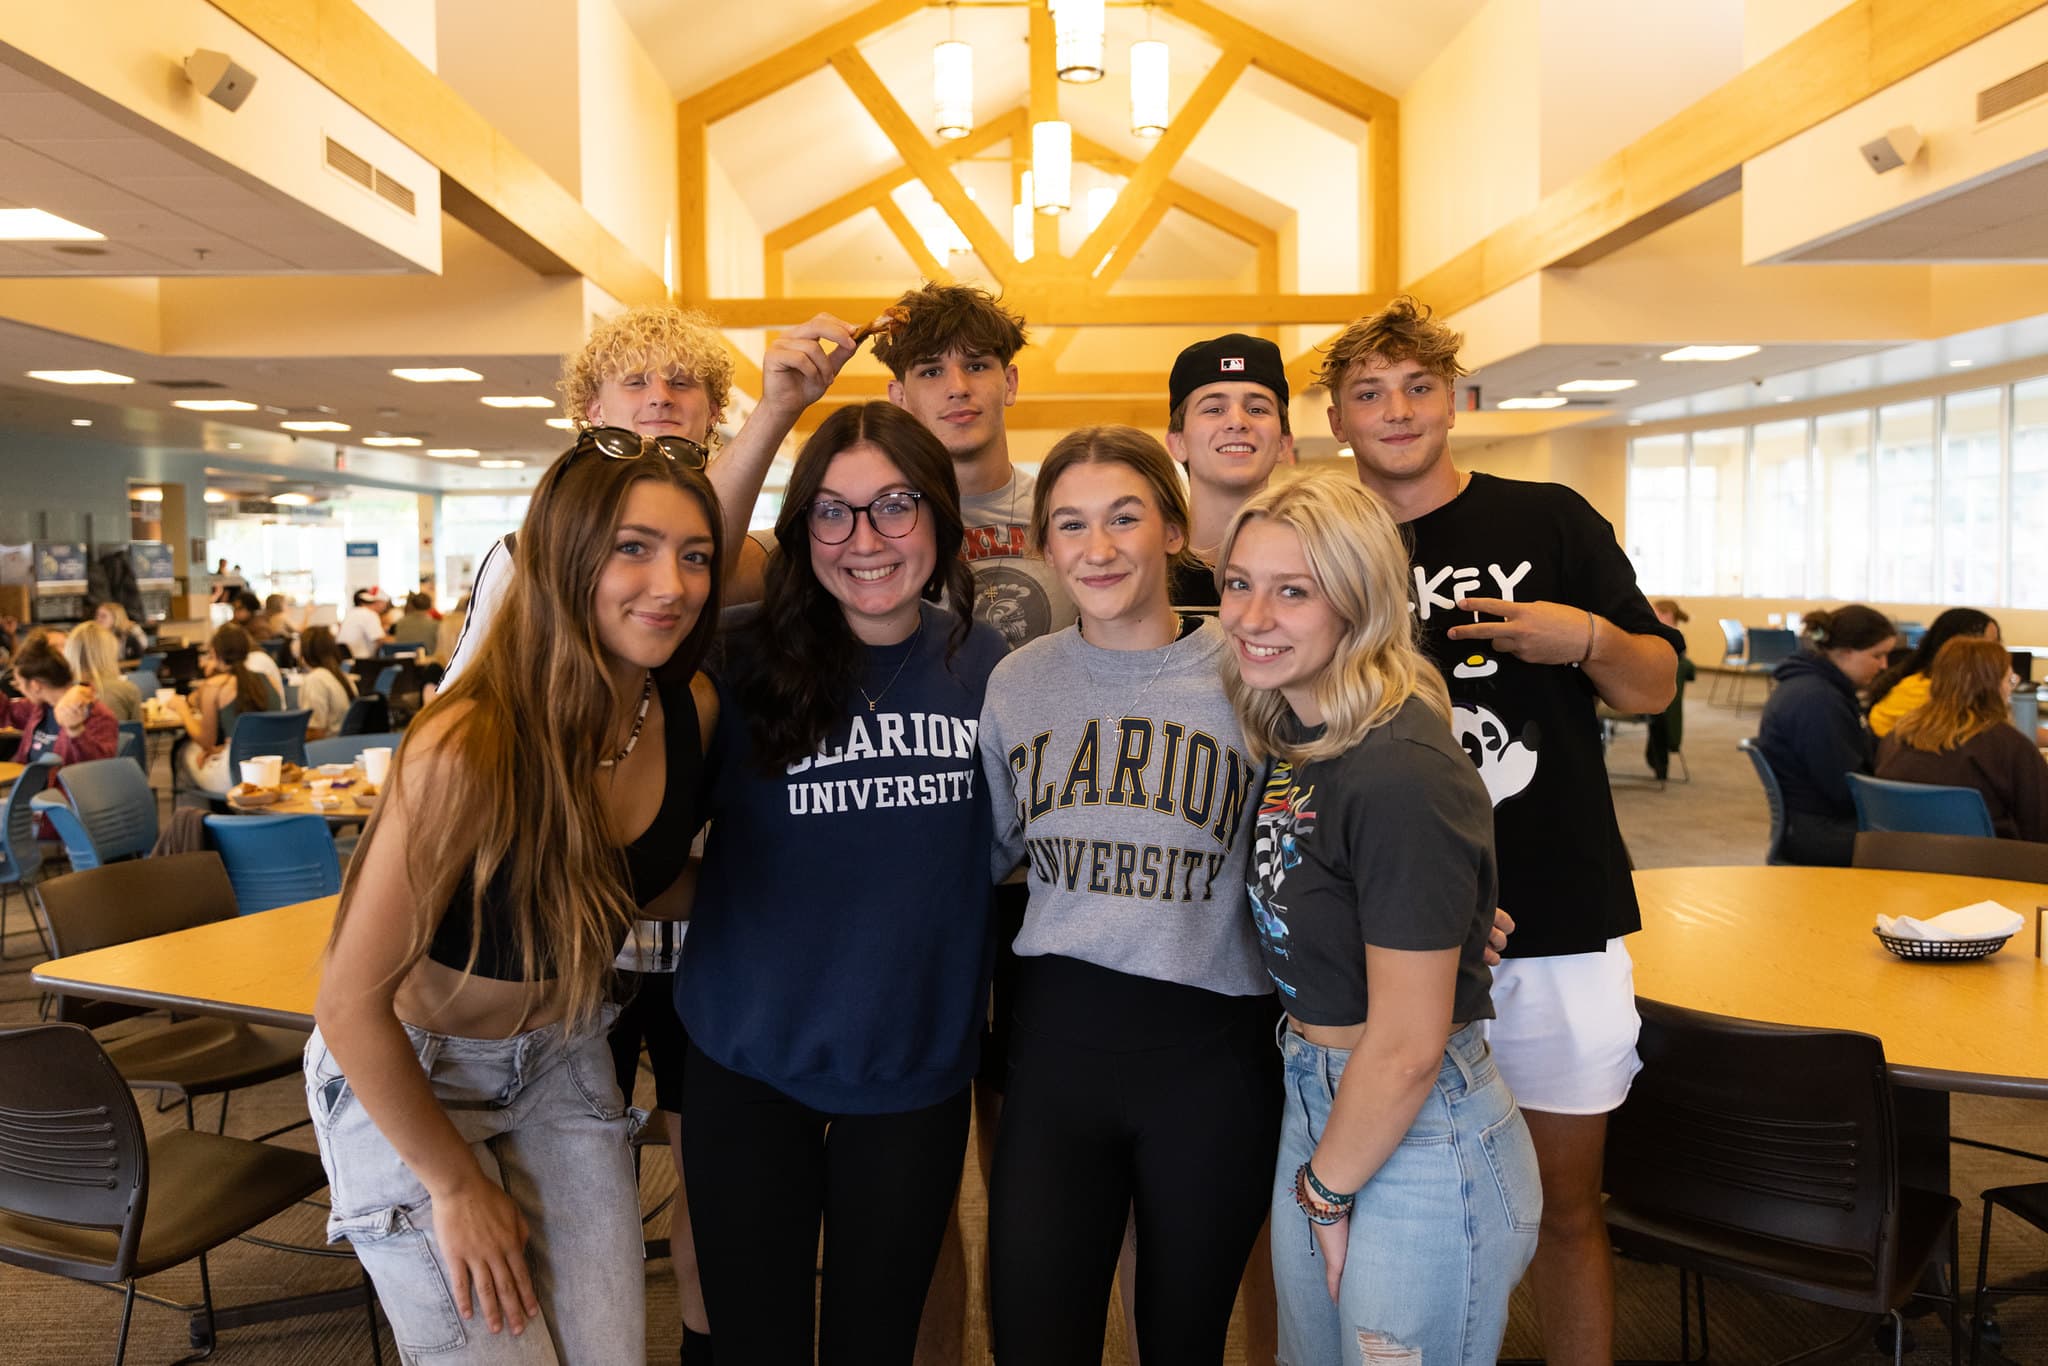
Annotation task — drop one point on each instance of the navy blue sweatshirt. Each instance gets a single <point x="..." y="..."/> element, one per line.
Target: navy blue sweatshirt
<point x="1812" y="732"/>
<point x="840" y="944"/>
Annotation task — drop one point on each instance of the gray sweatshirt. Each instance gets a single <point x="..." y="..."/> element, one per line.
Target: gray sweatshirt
<point x="1121" y="779"/>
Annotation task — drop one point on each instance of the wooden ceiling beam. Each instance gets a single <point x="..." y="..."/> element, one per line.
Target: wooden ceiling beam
<point x="1287" y="62"/>
<point x="792" y="63"/>
<point x="1012" y="126"/>
<point x="1132" y="242"/>
<point x="1071" y="303"/>
<point x="1048" y="414"/>
<point x="923" y="159"/>
<point x="908" y="237"/>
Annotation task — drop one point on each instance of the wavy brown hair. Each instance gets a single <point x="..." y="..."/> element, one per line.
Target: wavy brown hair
<point x="1965" y="696"/>
<point x="230" y="648"/>
<point x="533" y="835"/>
<point x="797" y="660"/>
<point x="1403" y="330"/>
<point x="939" y="318"/>
<point x="318" y="650"/>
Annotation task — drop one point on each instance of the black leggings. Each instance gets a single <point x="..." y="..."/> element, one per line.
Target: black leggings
<point x="1123" y="1092"/>
<point x="763" y="1170"/>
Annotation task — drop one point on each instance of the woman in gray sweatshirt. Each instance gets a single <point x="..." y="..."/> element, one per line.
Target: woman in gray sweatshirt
<point x="1143" y="1076"/>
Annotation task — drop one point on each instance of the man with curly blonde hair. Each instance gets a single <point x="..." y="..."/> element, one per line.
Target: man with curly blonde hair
<point x="1532" y="613"/>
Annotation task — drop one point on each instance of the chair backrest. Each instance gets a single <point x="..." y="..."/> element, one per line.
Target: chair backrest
<point x="1910" y="633"/>
<point x="18" y="826"/>
<point x="1925" y="808"/>
<point x="2026" y="710"/>
<point x="1774" y="798"/>
<point x="268" y="732"/>
<point x="1966" y="855"/>
<point x="279" y="649"/>
<point x="1761" y="1130"/>
<point x="150" y="662"/>
<point x="370" y="713"/>
<point x="134" y="744"/>
<point x="111" y="813"/>
<point x="1731" y="638"/>
<point x="180" y="665"/>
<point x="1770" y="645"/>
<point x="72" y="1150"/>
<point x="144" y="680"/>
<point x="387" y="680"/>
<point x="276" y="860"/>
<point x="345" y="748"/>
<point x="121" y="902"/>
<point x="393" y="649"/>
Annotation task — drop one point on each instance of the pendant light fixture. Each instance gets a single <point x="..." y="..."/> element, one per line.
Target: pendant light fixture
<point x="953" y="84"/>
<point x="1148" y="83"/>
<point x="1077" y="27"/>
<point x="1052" y="166"/>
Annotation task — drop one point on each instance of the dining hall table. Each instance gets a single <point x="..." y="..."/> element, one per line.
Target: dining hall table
<point x="1794" y="945"/>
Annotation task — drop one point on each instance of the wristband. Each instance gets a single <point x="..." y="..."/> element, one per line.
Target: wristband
<point x="1318" y="1204"/>
<point x="1591" y="624"/>
<point x="1322" y="1192"/>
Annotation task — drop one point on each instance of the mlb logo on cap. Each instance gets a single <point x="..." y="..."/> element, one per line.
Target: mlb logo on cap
<point x="1233" y="363"/>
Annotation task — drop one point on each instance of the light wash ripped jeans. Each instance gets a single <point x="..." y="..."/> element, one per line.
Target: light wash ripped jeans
<point x="543" y="1115"/>
<point x="1439" y="1236"/>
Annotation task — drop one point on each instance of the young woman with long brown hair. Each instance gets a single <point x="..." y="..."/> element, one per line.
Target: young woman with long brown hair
<point x="231" y="689"/>
<point x="326" y="689"/>
<point x="1963" y="736"/>
<point x="460" y="1083"/>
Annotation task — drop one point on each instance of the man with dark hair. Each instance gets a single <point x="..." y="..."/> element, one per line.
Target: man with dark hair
<point x="1227" y="424"/>
<point x="951" y="362"/>
<point x="1532" y="613"/>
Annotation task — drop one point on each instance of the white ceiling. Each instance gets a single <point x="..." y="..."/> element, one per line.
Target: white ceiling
<point x="165" y="206"/>
<point x="1539" y="370"/>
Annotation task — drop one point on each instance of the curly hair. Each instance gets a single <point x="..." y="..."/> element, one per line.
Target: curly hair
<point x="650" y="337"/>
<point x="1403" y="330"/>
<point x="943" y="318"/>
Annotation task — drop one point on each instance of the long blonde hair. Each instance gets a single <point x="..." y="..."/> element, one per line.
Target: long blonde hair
<point x="530" y="819"/>
<point x="1965" y="696"/>
<point x="1354" y="549"/>
<point x="94" y="653"/>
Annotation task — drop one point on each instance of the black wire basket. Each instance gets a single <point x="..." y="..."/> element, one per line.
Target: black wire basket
<point x="1940" y="950"/>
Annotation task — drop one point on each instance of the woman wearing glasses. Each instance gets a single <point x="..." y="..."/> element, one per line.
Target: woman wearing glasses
<point x="838" y="958"/>
<point x="459" y="1080"/>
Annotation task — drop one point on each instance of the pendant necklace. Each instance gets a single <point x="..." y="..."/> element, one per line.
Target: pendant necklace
<point x="876" y="699"/>
<point x="1160" y="668"/>
<point x="639" y="720"/>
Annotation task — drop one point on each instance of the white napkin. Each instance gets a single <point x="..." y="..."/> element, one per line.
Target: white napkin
<point x="1985" y="920"/>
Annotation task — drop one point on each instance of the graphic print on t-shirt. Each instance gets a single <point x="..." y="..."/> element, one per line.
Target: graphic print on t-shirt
<point x="1284" y="818"/>
<point x="1015" y="592"/>
<point x="1506" y="761"/>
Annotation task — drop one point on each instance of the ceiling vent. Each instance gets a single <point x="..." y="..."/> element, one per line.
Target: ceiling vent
<point x="356" y="167"/>
<point x="2013" y="92"/>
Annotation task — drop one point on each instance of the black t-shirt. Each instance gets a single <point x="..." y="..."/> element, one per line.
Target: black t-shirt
<point x="1194" y="588"/>
<point x="1388" y="844"/>
<point x="1531" y="729"/>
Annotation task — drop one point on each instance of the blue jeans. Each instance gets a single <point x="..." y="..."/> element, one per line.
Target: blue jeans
<point x="542" y="1113"/>
<point x="1438" y="1237"/>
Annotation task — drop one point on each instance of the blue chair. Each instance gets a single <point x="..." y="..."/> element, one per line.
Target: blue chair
<point x="370" y="714"/>
<point x="397" y="650"/>
<point x="134" y="744"/>
<point x="276" y="860"/>
<point x="1768" y="647"/>
<point x="1774" y="797"/>
<point x="387" y="681"/>
<point x="1919" y="808"/>
<point x="151" y="662"/>
<point x="144" y="681"/>
<point x="344" y="749"/>
<point x="282" y="733"/>
<point x="1733" y="648"/>
<point x="111" y="814"/>
<point x="23" y="852"/>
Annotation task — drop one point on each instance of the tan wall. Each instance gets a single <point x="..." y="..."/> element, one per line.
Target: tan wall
<point x="1770" y="24"/>
<point x="627" y="131"/>
<point x="520" y="73"/>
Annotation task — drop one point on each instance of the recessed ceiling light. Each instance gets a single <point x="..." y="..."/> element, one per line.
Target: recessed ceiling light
<point x="81" y="377"/>
<point x="1635" y="422"/>
<point x="1710" y="353"/>
<point x="292" y="500"/>
<point x="234" y="445"/>
<point x="562" y="424"/>
<point x="213" y="405"/>
<point x="322" y="426"/>
<point x="1554" y="401"/>
<point x="452" y="453"/>
<point x="81" y="422"/>
<point x="215" y="496"/>
<point x="1960" y="364"/>
<point x="34" y="225"/>
<point x="437" y="374"/>
<point x="1784" y="398"/>
<point x="146" y="495"/>
<point x="501" y="464"/>
<point x="1595" y="386"/>
<point x="518" y="401"/>
<point x="392" y="441"/>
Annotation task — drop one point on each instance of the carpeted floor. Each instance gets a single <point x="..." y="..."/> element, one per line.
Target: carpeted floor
<point x="1717" y="817"/>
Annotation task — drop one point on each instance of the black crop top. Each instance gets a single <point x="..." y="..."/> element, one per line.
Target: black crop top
<point x="653" y="861"/>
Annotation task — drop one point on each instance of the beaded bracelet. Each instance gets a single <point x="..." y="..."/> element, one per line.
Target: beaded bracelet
<point x="1316" y="1201"/>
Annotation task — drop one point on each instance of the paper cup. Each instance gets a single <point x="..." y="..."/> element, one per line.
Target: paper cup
<point x="376" y="765"/>
<point x="252" y="772"/>
<point x="269" y="769"/>
<point x="166" y="696"/>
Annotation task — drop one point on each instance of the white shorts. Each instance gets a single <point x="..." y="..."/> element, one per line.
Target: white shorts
<point x="1565" y="1032"/>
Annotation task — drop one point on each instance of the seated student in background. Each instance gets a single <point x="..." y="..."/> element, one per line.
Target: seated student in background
<point x="417" y="626"/>
<point x="1903" y="687"/>
<point x="134" y="640"/>
<point x="362" y="630"/>
<point x="326" y="689"/>
<point x="56" y="714"/>
<point x="1962" y="737"/>
<point x="1812" y="729"/>
<point x="230" y="689"/>
<point x="94" y="654"/>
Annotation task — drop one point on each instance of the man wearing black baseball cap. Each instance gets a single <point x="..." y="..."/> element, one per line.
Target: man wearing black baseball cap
<point x="1227" y="399"/>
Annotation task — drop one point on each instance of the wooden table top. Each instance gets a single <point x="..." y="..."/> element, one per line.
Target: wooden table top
<point x="262" y="968"/>
<point x="9" y="771"/>
<point x="298" y="801"/>
<point x="1794" y="946"/>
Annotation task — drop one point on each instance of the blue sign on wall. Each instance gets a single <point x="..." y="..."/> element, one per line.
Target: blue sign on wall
<point x="362" y="550"/>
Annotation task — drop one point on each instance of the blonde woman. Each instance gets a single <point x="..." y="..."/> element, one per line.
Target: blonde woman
<point x="134" y="640"/>
<point x="1962" y="736"/>
<point x="1406" y="1197"/>
<point x="94" y="653"/>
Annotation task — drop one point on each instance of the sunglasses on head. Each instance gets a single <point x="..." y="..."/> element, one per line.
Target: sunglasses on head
<point x="623" y="443"/>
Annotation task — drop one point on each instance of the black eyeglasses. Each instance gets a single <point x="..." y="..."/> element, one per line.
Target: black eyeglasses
<point x="893" y="515"/>
<point x="623" y="443"/>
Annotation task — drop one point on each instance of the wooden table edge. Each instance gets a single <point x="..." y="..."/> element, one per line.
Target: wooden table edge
<point x="158" y="1000"/>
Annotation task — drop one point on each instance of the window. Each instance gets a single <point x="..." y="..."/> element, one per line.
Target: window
<point x="1780" y="510"/>
<point x="1656" y="512"/>
<point x="1903" y="570"/>
<point x="2028" y="498"/>
<point x="1842" y="450"/>
<point x="1971" y="545"/>
<point x="1713" y="549"/>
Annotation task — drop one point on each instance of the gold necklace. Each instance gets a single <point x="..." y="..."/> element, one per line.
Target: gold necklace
<point x="876" y="699"/>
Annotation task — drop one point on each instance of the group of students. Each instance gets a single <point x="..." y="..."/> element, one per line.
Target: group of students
<point x="1069" y="787"/>
<point x="1941" y="714"/>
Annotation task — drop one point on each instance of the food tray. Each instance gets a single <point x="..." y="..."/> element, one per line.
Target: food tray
<point x="1940" y="950"/>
